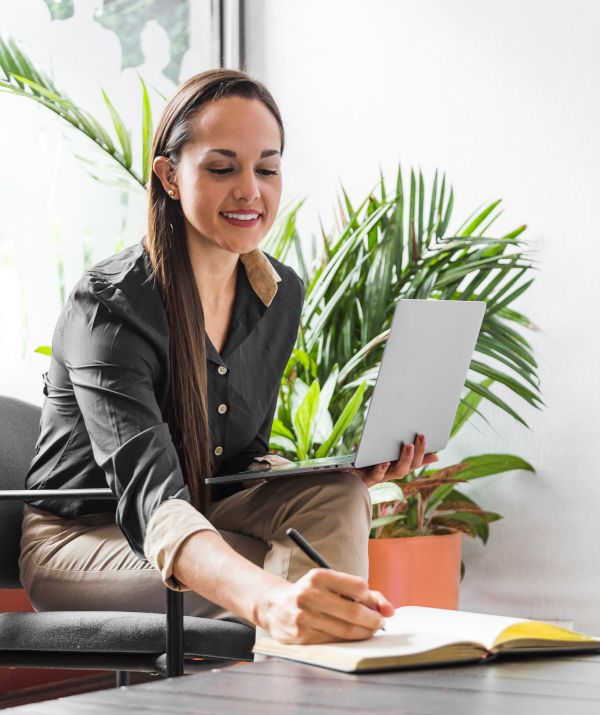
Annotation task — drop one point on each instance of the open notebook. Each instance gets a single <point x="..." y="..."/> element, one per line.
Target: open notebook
<point x="415" y="635"/>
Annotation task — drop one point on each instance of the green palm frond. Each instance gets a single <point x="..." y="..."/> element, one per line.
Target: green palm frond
<point x="395" y="246"/>
<point x="89" y="140"/>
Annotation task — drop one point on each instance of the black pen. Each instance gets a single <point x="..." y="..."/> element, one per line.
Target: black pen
<point x="313" y="554"/>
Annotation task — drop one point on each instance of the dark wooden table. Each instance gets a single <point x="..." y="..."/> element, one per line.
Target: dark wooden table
<point x="542" y="686"/>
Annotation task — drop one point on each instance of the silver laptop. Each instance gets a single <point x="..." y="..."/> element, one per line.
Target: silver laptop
<point x="423" y="371"/>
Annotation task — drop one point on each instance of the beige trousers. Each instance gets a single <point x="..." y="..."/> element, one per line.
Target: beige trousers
<point x="86" y="564"/>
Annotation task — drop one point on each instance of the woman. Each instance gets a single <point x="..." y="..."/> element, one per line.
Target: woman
<point x="166" y="363"/>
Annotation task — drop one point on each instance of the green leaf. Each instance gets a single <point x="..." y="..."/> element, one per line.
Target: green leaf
<point x="509" y="314"/>
<point x="421" y="211"/>
<point x="348" y="242"/>
<point x="515" y="294"/>
<point x="479" y="524"/>
<point x="385" y="492"/>
<point x="338" y="298"/>
<point x="110" y="167"/>
<point x="283" y="443"/>
<point x="279" y="429"/>
<point x="485" y="465"/>
<point x="121" y="130"/>
<point x="468" y="407"/>
<point x="399" y="218"/>
<point x="494" y="399"/>
<point x="147" y="133"/>
<point x="505" y="379"/>
<point x="430" y="223"/>
<point x="446" y="221"/>
<point x="480" y="219"/>
<point x="44" y="349"/>
<point x="361" y="354"/>
<point x="323" y="421"/>
<point x="343" y="421"/>
<point x="516" y="232"/>
<point x="412" y="245"/>
<point x="385" y="520"/>
<point x="513" y="361"/>
<point x="306" y="361"/>
<point x="304" y="418"/>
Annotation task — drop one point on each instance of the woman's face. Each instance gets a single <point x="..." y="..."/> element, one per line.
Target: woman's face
<point x="232" y="165"/>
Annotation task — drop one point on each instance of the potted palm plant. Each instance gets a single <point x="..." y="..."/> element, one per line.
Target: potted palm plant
<point x="389" y="247"/>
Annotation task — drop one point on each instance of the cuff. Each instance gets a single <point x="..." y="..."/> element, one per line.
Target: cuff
<point x="272" y="459"/>
<point x="169" y="527"/>
<point x="259" y="463"/>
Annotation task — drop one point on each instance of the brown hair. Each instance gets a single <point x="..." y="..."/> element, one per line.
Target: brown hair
<point x="166" y="246"/>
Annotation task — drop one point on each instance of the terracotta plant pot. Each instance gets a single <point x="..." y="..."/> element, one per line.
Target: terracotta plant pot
<point x="417" y="570"/>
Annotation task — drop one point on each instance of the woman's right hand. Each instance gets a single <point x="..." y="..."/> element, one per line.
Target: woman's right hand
<point x="313" y="609"/>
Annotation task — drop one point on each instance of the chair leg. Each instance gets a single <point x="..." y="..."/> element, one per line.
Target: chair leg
<point x="122" y="678"/>
<point x="174" y="645"/>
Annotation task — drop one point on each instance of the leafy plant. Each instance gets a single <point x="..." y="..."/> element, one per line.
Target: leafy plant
<point x="389" y="247"/>
<point x="106" y="160"/>
<point x="430" y="502"/>
<point x="304" y="427"/>
<point x="386" y="249"/>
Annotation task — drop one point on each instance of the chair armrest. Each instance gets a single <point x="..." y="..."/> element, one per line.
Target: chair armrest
<point x="28" y="495"/>
<point x="174" y="610"/>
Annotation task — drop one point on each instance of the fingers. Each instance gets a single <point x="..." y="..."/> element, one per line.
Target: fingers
<point x="380" y="602"/>
<point x="339" y="583"/>
<point x="419" y="453"/>
<point x="312" y="610"/>
<point x="430" y="459"/>
<point x="330" y="628"/>
<point x="412" y="457"/>
<point x="320" y="591"/>
<point x="403" y="465"/>
<point x="370" y="475"/>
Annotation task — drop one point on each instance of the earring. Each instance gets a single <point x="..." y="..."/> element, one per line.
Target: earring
<point x="171" y="193"/>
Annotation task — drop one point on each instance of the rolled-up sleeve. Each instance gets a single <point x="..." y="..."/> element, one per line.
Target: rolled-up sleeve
<point x="171" y="524"/>
<point x="111" y="364"/>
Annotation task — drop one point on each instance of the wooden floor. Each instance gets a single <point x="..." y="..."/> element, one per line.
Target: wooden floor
<point x="541" y="686"/>
<point x="64" y="688"/>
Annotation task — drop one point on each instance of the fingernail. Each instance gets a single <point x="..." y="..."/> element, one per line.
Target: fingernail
<point x="385" y="465"/>
<point x="422" y="438"/>
<point x="409" y="449"/>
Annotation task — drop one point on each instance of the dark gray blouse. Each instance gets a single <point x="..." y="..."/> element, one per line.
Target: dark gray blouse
<point x="103" y="419"/>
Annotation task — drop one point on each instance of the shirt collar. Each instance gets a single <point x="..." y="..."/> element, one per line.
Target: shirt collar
<point x="262" y="276"/>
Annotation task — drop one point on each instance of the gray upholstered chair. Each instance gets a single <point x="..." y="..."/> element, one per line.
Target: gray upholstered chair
<point x="92" y="640"/>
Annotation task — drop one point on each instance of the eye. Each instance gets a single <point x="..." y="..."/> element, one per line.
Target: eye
<point x="267" y="172"/>
<point x="220" y="171"/>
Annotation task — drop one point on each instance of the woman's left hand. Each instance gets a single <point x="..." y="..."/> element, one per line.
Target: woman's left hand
<point x="411" y="457"/>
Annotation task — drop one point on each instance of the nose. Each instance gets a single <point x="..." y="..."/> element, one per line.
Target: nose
<point x="246" y="188"/>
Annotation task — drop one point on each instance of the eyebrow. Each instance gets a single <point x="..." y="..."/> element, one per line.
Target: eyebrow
<point x="228" y="152"/>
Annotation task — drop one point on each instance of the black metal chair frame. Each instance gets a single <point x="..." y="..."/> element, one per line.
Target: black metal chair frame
<point x="170" y="664"/>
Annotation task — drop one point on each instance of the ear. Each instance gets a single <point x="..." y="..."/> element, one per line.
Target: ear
<point x="165" y="171"/>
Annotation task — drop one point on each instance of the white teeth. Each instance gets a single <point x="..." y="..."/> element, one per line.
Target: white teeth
<point x="242" y="217"/>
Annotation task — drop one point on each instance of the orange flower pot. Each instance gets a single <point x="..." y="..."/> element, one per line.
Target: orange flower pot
<point x="417" y="570"/>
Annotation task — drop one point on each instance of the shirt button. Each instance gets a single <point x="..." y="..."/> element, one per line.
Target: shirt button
<point x="218" y="451"/>
<point x="222" y="409"/>
<point x="222" y="370"/>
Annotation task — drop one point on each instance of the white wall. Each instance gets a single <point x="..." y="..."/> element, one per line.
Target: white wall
<point x="505" y="98"/>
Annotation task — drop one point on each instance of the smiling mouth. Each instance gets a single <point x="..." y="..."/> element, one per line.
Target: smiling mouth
<point x="241" y="216"/>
